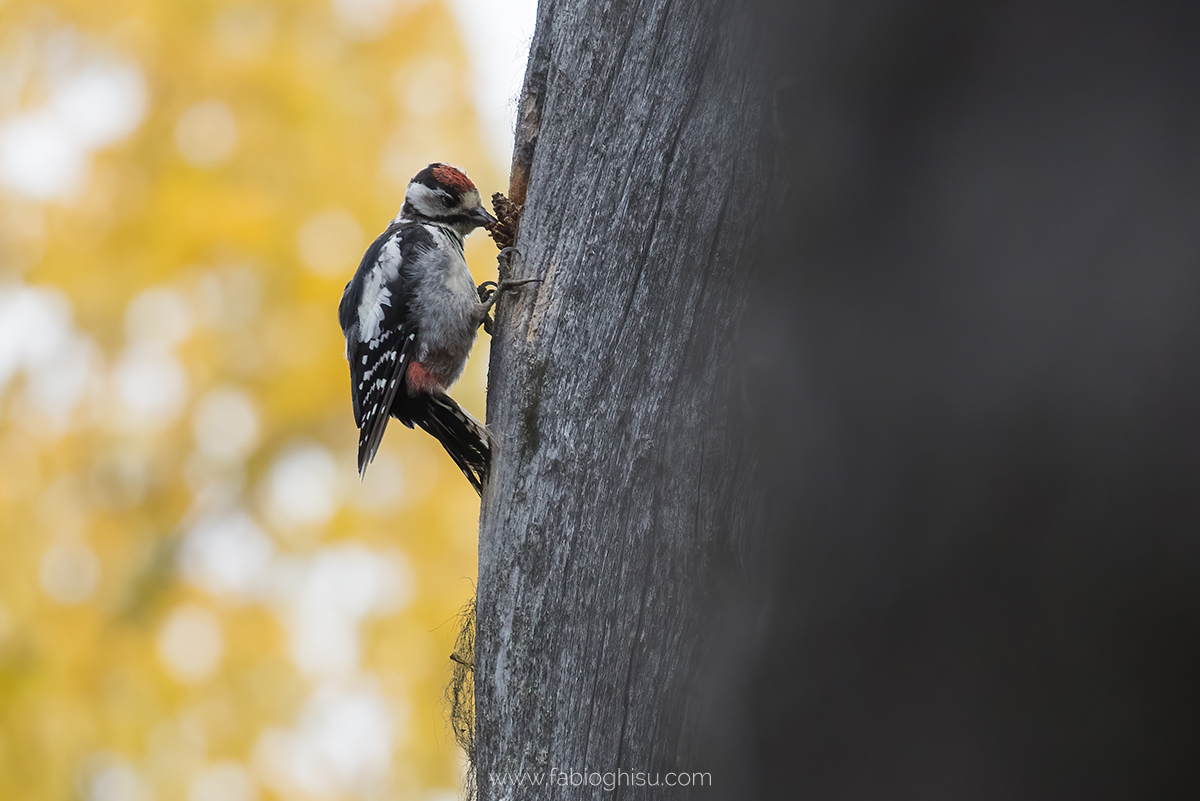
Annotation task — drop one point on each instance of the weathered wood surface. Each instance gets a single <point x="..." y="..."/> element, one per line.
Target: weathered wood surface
<point x="619" y="493"/>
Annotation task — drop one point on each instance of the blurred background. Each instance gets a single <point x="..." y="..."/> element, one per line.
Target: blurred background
<point x="198" y="599"/>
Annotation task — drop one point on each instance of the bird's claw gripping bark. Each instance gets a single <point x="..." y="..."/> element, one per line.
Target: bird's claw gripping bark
<point x="505" y="257"/>
<point x="505" y="233"/>
<point x="489" y="293"/>
<point x="486" y="290"/>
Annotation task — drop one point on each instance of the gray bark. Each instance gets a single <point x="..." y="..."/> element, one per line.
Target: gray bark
<point x="620" y="497"/>
<point x="974" y="390"/>
<point x="980" y="391"/>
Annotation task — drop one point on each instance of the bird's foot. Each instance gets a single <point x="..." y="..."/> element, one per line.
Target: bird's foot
<point x="504" y="259"/>
<point x="486" y="290"/>
<point x="489" y="293"/>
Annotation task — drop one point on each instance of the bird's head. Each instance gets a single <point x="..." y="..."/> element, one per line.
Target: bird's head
<point x="445" y="195"/>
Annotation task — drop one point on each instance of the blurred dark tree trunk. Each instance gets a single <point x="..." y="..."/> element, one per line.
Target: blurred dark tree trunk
<point x="937" y="267"/>
<point x="984" y="311"/>
<point x="619" y="492"/>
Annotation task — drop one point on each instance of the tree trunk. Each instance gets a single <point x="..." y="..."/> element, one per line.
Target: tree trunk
<point x="620" y="493"/>
<point x="974" y="387"/>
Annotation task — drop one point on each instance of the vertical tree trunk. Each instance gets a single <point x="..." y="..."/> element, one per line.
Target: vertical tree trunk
<point x="619" y="496"/>
<point x="975" y="389"/>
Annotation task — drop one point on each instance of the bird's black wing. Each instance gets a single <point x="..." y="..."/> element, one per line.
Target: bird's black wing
<point x="381" y="338"/>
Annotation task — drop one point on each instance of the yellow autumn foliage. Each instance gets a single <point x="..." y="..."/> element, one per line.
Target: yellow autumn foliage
<point x="198" y="599"/>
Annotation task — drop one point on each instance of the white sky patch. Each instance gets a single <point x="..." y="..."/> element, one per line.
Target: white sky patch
<point x="102" y="103"/>
<point x="326" y="598"/>
<point x="301" y="486"/>
<point x="117" y="781"/>
<point x="340" y="747"/>
<point x="227" y="555"/>
<point x="383" y="489"/>
<point x="497" y="34"/>
<point x="34" y="324"/>
<point x="330" y="242"/>
<point x="225" y="781"/>
<point x="442" y="795"/>
<point x="206" y="133"/>
<point x="151" y="386"/>
<point x="368" y="19"/>
<point x="225" y="424"/>
<point x="226" y="297"/>
<point x="39" y="339"/>
<point x="150" y="383"/>
<point x="95" y="100"/>
<point x="158" y="315"/>
<point x="190" y="643"/>
<point x="54" y="389"/>
<point x="39" y="158"/>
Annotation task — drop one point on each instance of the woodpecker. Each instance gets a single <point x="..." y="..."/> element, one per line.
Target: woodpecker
<point x="410" y="315"/>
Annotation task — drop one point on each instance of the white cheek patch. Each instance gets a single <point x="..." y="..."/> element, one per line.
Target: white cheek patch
<point x="429" y="202"/>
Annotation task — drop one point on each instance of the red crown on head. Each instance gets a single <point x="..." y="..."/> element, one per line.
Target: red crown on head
<point x="453" y="178"/>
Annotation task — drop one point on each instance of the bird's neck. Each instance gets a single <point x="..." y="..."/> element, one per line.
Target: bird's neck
<point x="454" y="230"/>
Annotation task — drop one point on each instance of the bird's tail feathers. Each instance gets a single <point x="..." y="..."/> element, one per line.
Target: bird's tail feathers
<point x="466" y="439"/>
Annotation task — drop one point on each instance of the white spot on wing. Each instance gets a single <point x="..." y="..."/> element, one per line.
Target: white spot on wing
<point x="376" y="293"/>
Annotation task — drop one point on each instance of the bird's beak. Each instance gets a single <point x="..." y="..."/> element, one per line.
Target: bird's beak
<point x="481" y="216"/>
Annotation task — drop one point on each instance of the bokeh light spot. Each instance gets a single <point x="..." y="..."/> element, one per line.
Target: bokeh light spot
<point x="301" y="486"/>
<point x="331" y="243"/>
<point x="102" y="103"/>
<point x="118" y="782"/>
<point x="328" y="597"/>
<point x="93" y="101"/>
<point x="206" y="133"/>
<point x="39" y="158"/>
<point x="341" y="745"/>
<point x="225" y="781"/>
<point x="226" y="554"/>
<point x="158" y="315"/>
<point x="364" y="19"/>
<point x="38" y="337"/>
<point x="151" y="385"/>
<point x="382" y="489"/>
<point x="190" y="643"/>
<point x="225" y="424"/>
<point x="69" y="572"/>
